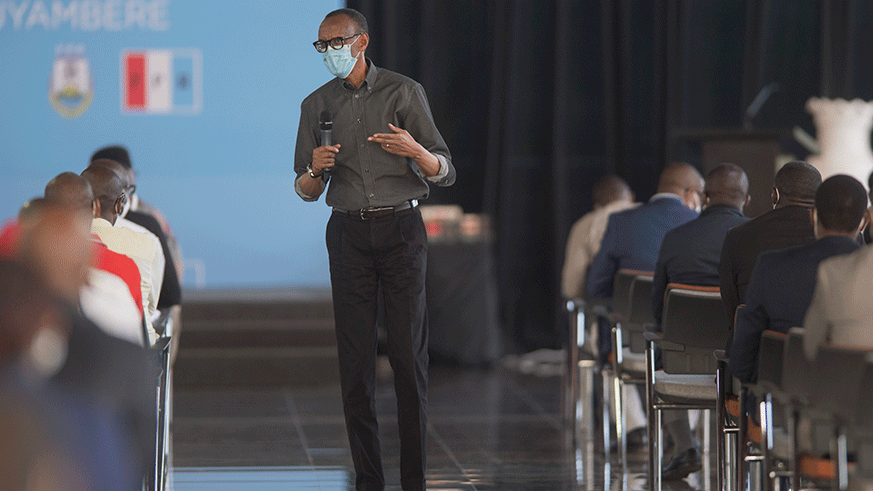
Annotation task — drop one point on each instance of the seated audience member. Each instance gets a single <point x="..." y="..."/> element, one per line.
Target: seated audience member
<point x="842" y="304"/>
<point x="633" y="237"/>
<point x="172" y="289"/>
<point x="786" y="225"/>
<point x="112" y="297"/>
<point x="109" y="199"/>
<point x="783" y="280"/>
<point x="631" y="241"/>
<point x="689" y="255"/>
<point x="119" y="153"/>
<point x="106" y="371"/>
<point x="611" y="194"/>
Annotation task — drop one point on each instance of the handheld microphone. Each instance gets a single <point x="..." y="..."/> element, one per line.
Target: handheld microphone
<point x="325" y="122"/>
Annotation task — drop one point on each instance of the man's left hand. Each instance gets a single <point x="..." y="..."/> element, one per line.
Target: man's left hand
<point x="400" y="142"/>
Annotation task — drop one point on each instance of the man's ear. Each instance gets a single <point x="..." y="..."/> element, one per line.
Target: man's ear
<point x="748" y="200"/>
<point x="119" y="206"/>
<point x="364" y="42"/>
<point x="95" y="206"/>
<point x="774" y="196"/>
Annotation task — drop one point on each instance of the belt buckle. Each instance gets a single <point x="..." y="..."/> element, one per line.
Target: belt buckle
<point x="366" y="211"/>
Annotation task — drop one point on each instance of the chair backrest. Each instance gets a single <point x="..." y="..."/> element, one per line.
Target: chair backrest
<point x="639" y="312"/>
<point x="621" y="292"/>
<point x="796" y="368"/>
<point x="693" y="318"/>
<point x="838" y="374"/>
<point x="770" y="353"/>
<point x="864" y="414"/>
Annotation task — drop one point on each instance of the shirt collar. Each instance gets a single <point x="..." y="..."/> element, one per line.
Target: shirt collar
<point x="101" y="222"/>
<point x="730" y="210"/>
<point x="369" y="80"/>
<point x="665" y="195"/>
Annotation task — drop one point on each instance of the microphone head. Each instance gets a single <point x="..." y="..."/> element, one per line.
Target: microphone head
<point x="326" y="120"/>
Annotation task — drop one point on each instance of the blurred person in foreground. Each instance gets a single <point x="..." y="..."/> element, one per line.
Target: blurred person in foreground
<point x="611" y="194"/>
<point x="112" y="297"/>
<point x="106" y="377"/>
<point x="386" y="151"/>
<point x="783" y="281"/>
<point x="689" y="255"/>
<point x="37" y="452"/>
<point x="787" y="224"/>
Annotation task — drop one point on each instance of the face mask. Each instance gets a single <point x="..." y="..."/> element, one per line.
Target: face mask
<point x="340" y="62"/>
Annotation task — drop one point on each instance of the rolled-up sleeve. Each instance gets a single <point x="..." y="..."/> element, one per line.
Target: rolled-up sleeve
<point x="418" y="121"/>
<point x="306" y="143"/>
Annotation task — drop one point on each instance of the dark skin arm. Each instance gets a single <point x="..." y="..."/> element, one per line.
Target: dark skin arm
<point x="400" y="142"/>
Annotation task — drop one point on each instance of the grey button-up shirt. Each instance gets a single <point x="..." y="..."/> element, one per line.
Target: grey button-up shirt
<point x="365" y="175"/>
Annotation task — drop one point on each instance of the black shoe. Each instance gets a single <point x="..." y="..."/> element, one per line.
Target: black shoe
<point x="638" y="439"/>
<point x="682" y="464"/>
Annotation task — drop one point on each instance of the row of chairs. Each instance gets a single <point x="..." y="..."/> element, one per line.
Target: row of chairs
<point x="831" y="392"/>
<point x="695" y="376"/>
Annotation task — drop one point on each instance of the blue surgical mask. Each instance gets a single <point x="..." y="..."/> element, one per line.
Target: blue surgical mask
<point x="340" y="62"/>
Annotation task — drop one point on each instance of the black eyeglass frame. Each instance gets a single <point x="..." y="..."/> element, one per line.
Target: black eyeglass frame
<point x="335" y="43"/>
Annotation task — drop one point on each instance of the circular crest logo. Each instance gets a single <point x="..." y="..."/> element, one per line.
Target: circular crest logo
<point x="70" y="87"/>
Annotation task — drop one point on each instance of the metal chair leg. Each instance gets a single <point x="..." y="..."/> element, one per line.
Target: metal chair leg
<point x="654" y="429"/>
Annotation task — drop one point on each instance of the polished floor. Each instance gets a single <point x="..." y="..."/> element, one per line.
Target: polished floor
<point x="489" y="430"/>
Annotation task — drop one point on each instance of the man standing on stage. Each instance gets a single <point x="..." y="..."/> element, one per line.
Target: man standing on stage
<point x="385" y="149"/>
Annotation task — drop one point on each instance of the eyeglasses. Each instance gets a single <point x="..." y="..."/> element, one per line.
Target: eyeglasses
<point x="335" y="43"/>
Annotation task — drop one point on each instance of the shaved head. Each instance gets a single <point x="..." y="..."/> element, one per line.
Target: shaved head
<point x="679" y="177"/>
<point x="727" y="184"/>
<point x="70" y="190"/>
<point x="55" y="245"/>
<point x="107" y="187"/>
<point x="611" y="188"/>
<point x="123" y="172"/>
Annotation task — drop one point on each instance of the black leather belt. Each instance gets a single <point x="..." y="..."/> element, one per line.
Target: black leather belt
<point x="378" y="211"/>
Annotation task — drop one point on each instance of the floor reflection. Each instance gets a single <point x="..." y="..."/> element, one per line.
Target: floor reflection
<point x="489" y="430"/>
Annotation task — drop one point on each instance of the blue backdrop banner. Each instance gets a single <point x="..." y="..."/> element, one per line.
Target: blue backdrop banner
<point x="205" y="95"/>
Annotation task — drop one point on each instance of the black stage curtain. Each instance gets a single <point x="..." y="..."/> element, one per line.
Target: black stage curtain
<point x="538" y="99"/>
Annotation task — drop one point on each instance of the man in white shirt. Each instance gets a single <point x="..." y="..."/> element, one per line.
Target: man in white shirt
<point x="109" y="197"/>
<point x="121" y="221"/>
<point x="841" y="306"/>
<point x="611" y="194"/>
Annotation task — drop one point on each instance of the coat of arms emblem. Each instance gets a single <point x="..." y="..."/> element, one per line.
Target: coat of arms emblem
<point x="70" y="87"/>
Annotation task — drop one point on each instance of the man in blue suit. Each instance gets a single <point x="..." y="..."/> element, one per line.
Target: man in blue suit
<point x="783" y="281"/>
<point x="633" y="237"/>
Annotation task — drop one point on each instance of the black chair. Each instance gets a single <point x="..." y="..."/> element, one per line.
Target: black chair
<point x="796" y="373"/>
<point x="729" y="435"/>
<point x="628" y="348"/>
<point x="693" y="326"/>
<point x="838" y="374"/>
<point x="768" y="387"/>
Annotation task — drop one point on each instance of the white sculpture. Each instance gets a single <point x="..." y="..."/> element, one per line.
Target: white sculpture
<point x="843" y="133"/>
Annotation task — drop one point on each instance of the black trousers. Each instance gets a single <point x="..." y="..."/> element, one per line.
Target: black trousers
<point x="365" y="255"/>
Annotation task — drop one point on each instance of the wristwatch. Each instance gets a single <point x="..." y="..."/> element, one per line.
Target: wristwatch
<point x="312" y="174"/>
